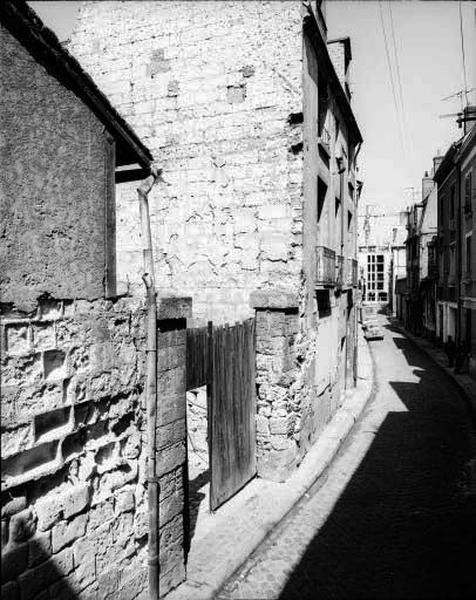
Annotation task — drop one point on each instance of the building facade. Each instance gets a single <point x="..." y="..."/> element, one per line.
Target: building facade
<point x="456" y="250"/>
<point x="375" y="266"/>
<point x="247" y="107"/>
<point x="381" y="254"/>
<point x="446" y="178"/>
<point x="74" y="513"/>
<point x="467" y="218"/>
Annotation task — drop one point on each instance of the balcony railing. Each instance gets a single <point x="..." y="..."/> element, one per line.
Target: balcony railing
<point x="348" y="273"/>
<point x="351" y="273"/>
<point x="325" y="266"/>
<point x="340" y="271"/>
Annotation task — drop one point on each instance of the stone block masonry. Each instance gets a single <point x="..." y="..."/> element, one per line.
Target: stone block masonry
<point x="225" y="94"/>
<point x="210" y="87"/>
<point x="74" y="503"/>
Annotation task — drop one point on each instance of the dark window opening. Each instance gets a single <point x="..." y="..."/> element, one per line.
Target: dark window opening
<point x="321" y="197"/>
<point x="452" y="202"/>
<point x="468" y="184"/>
<point x="323" y="101"/>
<point x="323" y="303"/>
<point x="468" y="256"/>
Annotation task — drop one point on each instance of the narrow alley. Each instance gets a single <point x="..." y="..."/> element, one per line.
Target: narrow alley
<point x="237" y="300"/>
<point x="392" y="518"/>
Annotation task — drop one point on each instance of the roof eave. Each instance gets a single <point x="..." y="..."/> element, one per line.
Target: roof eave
<point x="311" y="28"/>
<point x="23" y="23"/>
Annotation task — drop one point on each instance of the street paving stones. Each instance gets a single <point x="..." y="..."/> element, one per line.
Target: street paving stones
<point x="395" y="517"/>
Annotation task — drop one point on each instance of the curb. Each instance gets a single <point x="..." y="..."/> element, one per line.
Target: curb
<point x="258" y="519"/>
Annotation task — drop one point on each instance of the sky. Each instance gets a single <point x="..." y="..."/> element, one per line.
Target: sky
<point x="402" y="130"/>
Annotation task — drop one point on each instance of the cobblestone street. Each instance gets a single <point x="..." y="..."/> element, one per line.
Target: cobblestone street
<point x="392" y="518"/>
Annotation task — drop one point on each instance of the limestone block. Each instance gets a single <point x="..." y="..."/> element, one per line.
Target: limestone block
<point x="44" y="337"/>
<point x="15" y="440"/>
<point x="100" y="514"/>
<point x="14" y="562"/>
<point x="39" y="578"/>
<point x="49" y="511"/>
<point x="171" y="433"/>
<point x="66" y="532"/>
<point x="76" y="501"/>
<point x="125" y="502"/>
<point x="50" y="310"/>
<point x="54" y="365"/>
<point x="22" y="525"/>
<point x="39" y="548"/>
<point x="18" y="339"/>
<point x="279" y="425"/>
<point x="170" y="458"/>
<point x="262" y="425"/>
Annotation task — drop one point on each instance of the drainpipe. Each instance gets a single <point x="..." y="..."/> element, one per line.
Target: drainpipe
<point x="151" y="382"/>
<point x="459" y="256"/>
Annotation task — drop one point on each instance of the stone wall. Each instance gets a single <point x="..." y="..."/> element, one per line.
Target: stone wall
<point x="214" y="89"/>
<point x="226" y="96"/>
<point x="57" y="182"/>
<point x="74" y="505"/>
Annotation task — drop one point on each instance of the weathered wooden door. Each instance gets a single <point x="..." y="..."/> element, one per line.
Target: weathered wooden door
<point x="232" y="409"/>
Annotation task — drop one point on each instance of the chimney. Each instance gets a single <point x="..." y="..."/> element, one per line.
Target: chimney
<point x="426" y="186"/>
<point x="340" y="54"/>
<point x="437" y="160"/>
<point x="469" y="118"/>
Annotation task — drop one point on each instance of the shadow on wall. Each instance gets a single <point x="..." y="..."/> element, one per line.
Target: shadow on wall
<point x="404" y="526"/>
<point x="29" y="569"/>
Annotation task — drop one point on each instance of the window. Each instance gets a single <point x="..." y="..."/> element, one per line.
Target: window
<point x="323" y="303"/>
<point x="351" y="190"/>
<point x="452" y="202"/>
<point x="468" y="256"/>
<point x="349" y="220"/>
<point x="323" y="102"/>
<point x="468" y="185"/>
<point x="452" y="261"/>
<point x="321" y="197"/>
<point x="337" y="206"/>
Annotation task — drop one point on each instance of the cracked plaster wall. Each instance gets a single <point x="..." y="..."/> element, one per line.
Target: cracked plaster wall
<point x="210" y="88"/>
<point x="216" y="90"/>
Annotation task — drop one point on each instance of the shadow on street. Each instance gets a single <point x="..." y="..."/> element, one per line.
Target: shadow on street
<point x="405" y="526"/>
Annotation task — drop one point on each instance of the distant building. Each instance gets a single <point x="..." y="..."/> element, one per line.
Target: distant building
<point x="456" y="292"/>
<point x="381" y="254"/>
<point x="374" y="262"/>
<point x="421" y="260"/>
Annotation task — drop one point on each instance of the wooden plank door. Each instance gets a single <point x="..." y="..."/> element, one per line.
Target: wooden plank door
<point x="232" y="410"/>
